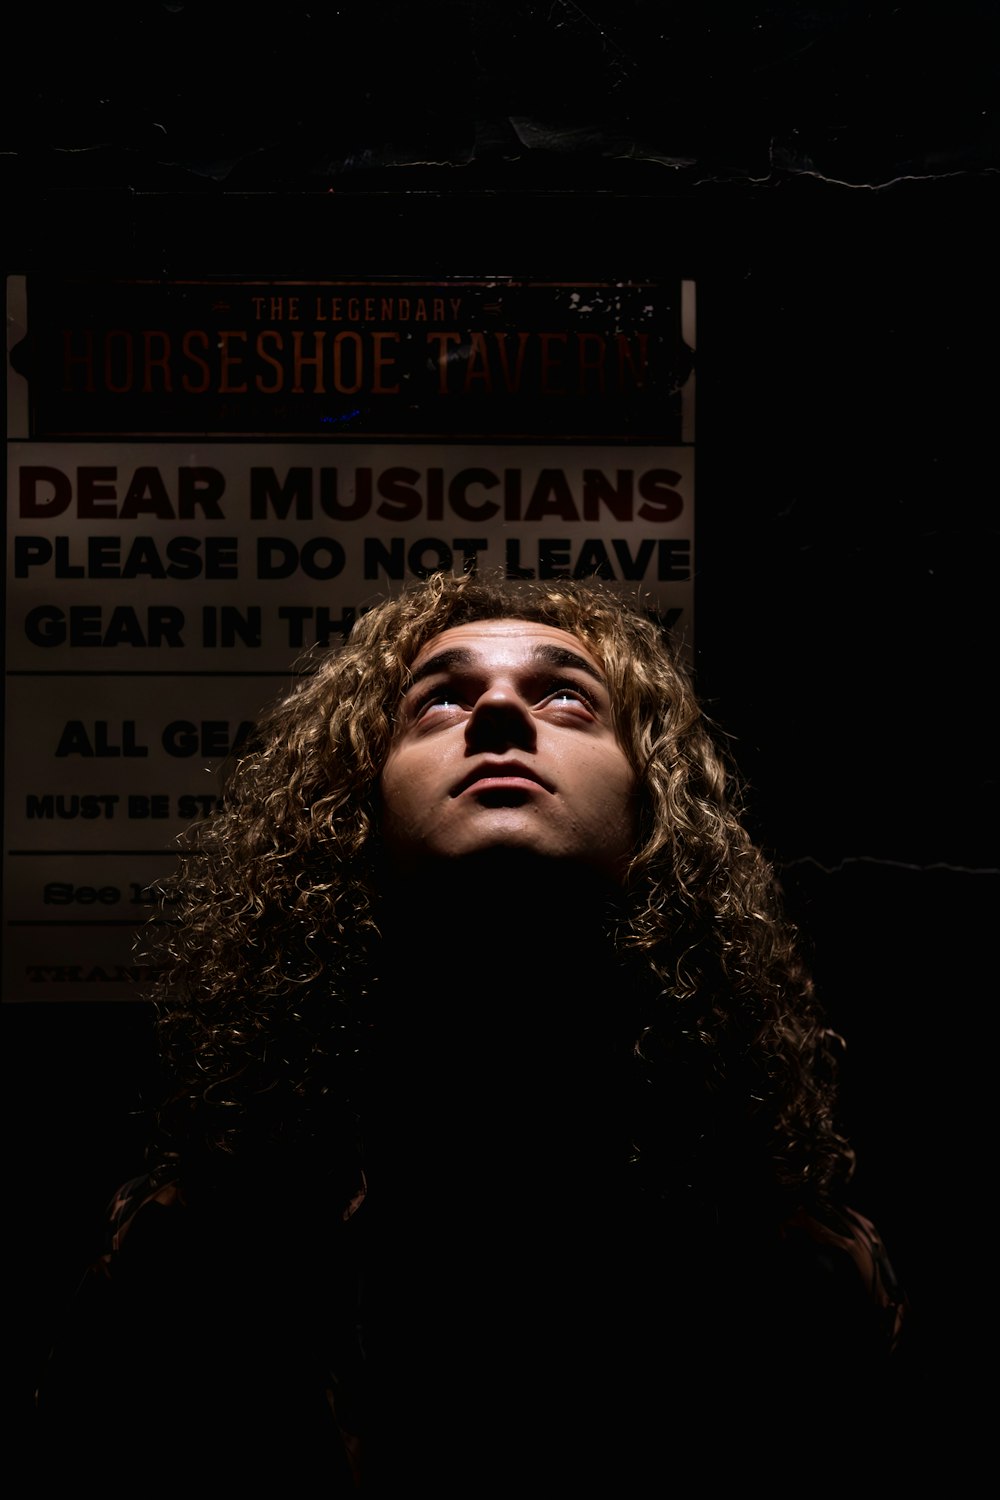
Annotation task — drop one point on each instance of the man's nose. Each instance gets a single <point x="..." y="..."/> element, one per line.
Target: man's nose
<point x="500" y="718"/>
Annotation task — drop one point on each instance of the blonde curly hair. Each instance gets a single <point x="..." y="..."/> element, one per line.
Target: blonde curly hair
<point x="270" y="956"/>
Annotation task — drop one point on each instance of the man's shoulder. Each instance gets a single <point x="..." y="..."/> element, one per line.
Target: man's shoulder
<point x="845" y="1248"/>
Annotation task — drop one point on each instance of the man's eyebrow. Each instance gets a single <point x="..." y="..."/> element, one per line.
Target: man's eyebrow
<point x="459" y="656"/>
<point x="444" y="661"/>
<point x="561" y="656"/>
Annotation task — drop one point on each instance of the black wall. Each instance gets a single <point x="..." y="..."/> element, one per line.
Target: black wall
<point x="833" y="192"/>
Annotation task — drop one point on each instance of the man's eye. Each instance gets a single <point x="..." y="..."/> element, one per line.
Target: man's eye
<point x="441" y="698"/>
<point x="569" y="692"/>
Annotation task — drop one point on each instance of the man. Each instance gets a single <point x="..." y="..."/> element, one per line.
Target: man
<point x="498" y="1150"/>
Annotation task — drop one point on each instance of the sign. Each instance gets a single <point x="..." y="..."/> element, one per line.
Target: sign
<point x="206" y="480"/>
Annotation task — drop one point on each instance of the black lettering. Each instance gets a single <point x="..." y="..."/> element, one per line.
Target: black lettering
<point x="277" y="557"/>
<point x="593" y="561"/>
<point x="470" y="548"/>
<point x="210" y="738"/>
<point x="387" y="555"/>
<point x="34" y="506"/>
<point x="266" y="489"/>
<point x="598" y="490"/>
<point x="401" y="500"/>
<point x="553" y="557"/>
<point x="513" y="556"/>
<point x="633" y="567"/>
<point x="551" y="496"/>
<point x="141" y="806"/>
<point x="674" y="563"/>
<point x="199" y="488"/>
<point x="197" y="806"/>
<point x="147" y="496"/>
<point x="663" y="503"/>
<point x="75" y="740"/>
<point x="441" y="556"/>
<point x="225" y="625"/>
<point x="34" y="552"/>
<point x="342" y="509"/>
<point x="60" y="893"/>
<point x="82" y="625"/>
<point x="459" y="500"/>
<point x="71" y="805"/>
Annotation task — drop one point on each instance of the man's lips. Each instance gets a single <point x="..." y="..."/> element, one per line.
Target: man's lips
<point x="501" y="773"/>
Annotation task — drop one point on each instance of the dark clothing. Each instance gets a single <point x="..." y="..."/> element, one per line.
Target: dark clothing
<point x="298" y="1348"/>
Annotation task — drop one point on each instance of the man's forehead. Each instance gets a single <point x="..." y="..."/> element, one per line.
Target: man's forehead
<point x="504" y="641"/>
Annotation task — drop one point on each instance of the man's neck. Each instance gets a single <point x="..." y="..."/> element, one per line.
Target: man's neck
<point x="504" y="1029"/>
<point x="502" y="941"/>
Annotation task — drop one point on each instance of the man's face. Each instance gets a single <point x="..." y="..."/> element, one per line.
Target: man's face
<point x="505" y="741"/>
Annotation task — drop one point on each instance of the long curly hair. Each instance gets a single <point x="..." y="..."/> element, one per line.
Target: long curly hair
<point x="270" y="955"/>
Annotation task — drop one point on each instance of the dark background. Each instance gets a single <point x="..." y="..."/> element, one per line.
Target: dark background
<point x="829" y="176"/>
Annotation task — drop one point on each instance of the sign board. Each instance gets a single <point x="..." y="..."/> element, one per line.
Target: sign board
<point x="206" y="479"/>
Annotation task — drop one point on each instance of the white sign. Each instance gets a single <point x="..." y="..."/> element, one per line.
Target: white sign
<point x="161" y="593"/>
